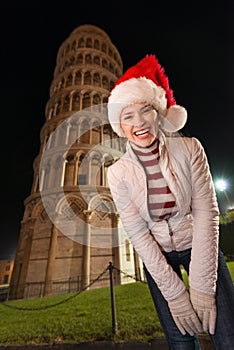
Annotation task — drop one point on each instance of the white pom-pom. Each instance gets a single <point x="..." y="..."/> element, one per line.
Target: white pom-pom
<point x="174" y="119"/>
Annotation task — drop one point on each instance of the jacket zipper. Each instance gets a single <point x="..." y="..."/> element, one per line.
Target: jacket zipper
<point x="171" y="234"/>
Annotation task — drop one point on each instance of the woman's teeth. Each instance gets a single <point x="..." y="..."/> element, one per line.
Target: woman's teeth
<point x="141" y="132"/>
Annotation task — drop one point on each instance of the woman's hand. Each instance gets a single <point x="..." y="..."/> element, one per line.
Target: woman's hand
<point x="184" y="315"/>
<point x="205" y="307"/>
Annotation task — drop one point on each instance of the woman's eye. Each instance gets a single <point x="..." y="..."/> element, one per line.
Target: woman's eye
<point x="127" y="117"/>
<point x="147" y="110"/>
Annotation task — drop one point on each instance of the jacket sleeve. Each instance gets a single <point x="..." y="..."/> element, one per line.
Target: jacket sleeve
<point x="143" y="242"/>
<point x="204" y="258"/>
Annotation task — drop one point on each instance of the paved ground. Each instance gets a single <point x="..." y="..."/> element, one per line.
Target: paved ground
<point x="100" y="345"/>
<point x="157" y="344"/>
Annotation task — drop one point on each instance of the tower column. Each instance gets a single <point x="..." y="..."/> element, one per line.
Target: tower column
<point x="137" y="266"/>
<point x="22" y="276"/>
<point x="51" y="260"/>
<point x="86" y="250"/>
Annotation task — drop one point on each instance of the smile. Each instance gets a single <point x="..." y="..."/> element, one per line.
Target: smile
<point x="141" y="132"/>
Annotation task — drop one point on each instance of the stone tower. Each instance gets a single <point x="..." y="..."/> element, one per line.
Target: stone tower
<point x="70" y="229"/>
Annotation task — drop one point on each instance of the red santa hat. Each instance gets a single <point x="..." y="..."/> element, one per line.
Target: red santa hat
<point x="146" y="82"/>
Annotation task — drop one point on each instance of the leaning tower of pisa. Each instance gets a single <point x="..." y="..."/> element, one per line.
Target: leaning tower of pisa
<point x="70" y="229"/>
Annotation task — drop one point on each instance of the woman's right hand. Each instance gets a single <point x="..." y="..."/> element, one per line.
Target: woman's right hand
<point x="184" y="315"/>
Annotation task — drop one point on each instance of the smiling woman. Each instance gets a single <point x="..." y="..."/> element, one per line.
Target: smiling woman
<point x="165" y="196"/>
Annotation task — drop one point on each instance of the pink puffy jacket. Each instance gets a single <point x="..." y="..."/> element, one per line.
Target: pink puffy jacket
<point x="184" y="165"/>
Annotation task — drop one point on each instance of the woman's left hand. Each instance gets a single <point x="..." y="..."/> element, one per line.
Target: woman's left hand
<point x="205" y="307"/>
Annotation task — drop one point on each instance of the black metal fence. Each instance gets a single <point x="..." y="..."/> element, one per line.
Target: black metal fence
<point x="107" y="277"/>
<point x="57" y="287"/>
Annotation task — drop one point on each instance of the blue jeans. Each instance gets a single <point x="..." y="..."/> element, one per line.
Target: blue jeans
<point x="223" y="339"/>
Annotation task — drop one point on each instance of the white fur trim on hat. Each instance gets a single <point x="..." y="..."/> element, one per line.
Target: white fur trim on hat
<point x="138" y="90"/>
<point x="174" y="119"/>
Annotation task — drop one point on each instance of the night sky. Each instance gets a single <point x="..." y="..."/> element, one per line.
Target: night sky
<point x="194" y="43"/>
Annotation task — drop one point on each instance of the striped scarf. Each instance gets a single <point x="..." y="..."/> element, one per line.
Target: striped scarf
<point x="161" y="201"/>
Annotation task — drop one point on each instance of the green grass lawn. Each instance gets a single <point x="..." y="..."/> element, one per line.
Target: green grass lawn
<point x="231" y="268"/>
<point x="85" y="317"/>
<point x="82" y="317"/>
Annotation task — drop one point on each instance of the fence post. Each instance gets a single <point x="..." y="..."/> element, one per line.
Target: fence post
<point x="113" y="305"/>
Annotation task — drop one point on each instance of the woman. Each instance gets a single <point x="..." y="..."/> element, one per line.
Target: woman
<point x="163" y="191"/>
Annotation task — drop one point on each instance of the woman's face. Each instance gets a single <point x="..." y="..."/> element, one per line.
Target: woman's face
<point x="139" y="123"/>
